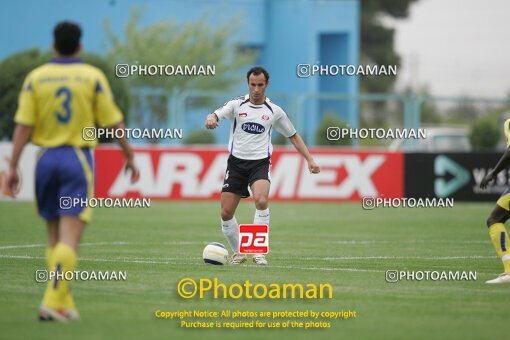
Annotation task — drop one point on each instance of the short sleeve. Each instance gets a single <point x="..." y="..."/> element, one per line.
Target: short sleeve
<point x="106" y="112"/>
<point x="26" y="113"/>
<point x="282" y="124"/>
<point x="227" y="110"/>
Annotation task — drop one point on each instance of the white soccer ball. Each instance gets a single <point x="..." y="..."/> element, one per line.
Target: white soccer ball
<point x="215" y="253"/>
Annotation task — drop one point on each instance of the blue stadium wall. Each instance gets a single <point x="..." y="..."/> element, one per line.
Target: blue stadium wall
<point x="286" y="33"/>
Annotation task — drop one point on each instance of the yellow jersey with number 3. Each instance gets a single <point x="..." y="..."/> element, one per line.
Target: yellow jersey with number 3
<point x="60" y="98"/>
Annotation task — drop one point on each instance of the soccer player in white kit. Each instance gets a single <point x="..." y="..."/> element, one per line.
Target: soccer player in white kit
<point x="253" y="118"/>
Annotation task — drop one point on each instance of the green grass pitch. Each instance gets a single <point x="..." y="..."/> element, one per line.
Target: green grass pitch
<point x="336" y="243"/>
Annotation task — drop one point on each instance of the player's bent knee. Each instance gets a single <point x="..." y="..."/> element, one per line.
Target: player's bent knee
<point x="227" y="214"/>
<point x="261" y="202"/>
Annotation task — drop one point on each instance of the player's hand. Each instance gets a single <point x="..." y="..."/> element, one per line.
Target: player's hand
<point x="131" y="167"/>
<point x="13" y="182"/>
<point x="211" y="122"/>
<point x="487" y="179"/>
<point x="313" y="167"/>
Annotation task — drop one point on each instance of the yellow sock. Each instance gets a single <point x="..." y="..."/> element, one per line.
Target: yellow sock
<point x="50" y="251"/>
<point x="68" y="301"/>
<point x="64" y="260"/>
<point x="501" y="243"/>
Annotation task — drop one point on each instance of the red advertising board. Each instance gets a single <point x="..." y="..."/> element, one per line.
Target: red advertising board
<point x="189" y="173"/>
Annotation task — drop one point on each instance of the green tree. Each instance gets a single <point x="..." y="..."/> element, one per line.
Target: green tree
<point x="177" y="43"/>
<point x="377" y="43"/>
<point x="465" y="110"/>
<point x="119" y="89"/>
<point x="485" y="133"/>
<point x="324" y="136"/>
<point x="13" y="71"/>
<point x="429" y="112"/>
<point x="16" y="67"/>
<point x="279" y="139"/>
<point x="200" y="137"/>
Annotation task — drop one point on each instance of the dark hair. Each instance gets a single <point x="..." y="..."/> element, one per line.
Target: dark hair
<point x="67" y="38"/>
<point x="256" y="71"/>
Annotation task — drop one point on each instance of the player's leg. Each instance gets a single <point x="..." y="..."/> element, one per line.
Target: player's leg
<point x="235" y="187"/>
<point x="260" y="190"/>
<point x="52" y="229"/>
<point x="46" y="191"/>
<point x="229" y="225"/>
<point x="259" y="180"/>
<point x="499" y="236"/>
<point x="71" y="231"/>
<point x="75" y="176"/>
<point x="58" y="296"/>
<point x="47" y="202"/>
<point x="53" y="238"/>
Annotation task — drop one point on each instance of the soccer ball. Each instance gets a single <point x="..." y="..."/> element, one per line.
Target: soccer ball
<point x="215" y="253"/>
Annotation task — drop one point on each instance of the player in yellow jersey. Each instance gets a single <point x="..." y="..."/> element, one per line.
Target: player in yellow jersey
<point x="57" y="101"/>
<point x="500" y="214"/>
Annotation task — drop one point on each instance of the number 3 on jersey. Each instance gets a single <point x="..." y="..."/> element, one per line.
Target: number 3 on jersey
<point x="65" y="116"/>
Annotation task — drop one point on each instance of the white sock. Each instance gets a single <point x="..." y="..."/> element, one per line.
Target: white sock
<point x="261" y="217"/>
<point x="230" y="229"/>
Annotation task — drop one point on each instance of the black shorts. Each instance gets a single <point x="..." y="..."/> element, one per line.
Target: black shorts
<point x="241" y="173"/>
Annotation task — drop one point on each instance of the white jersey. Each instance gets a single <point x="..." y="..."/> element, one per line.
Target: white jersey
<point x="252" y="125"/>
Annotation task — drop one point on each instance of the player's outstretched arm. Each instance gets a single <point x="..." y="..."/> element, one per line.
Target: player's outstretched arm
<point x="502" y="164"/>
<point x="20" y="138"/>
<point x="300" y="146"/>
<point x="211" y="121"/>
<point x="128" y="154"/>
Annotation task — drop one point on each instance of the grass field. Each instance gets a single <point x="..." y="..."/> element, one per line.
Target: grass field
<point x="340" y="244"/>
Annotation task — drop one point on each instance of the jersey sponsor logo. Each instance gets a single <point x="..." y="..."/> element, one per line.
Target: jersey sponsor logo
<point x="254" y="128"/>
<point x="243" y="114"/>
<point x="265" y="117"/>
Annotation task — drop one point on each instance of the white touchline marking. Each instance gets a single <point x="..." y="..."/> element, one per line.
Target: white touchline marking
<point x="332" y="269"/>
<point x="473" y="257"/>
<point x="86" y="244"/>
<point x="116" y="243"/>
<point x="192" y="263"/>
<point x="127" y="260"/>
<point x="23" y="246"/>
<point x="184" y="243"/>
<point x="371" y="242"/>
<point x="409" y="241"/>
<point x="20" y="257"/>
